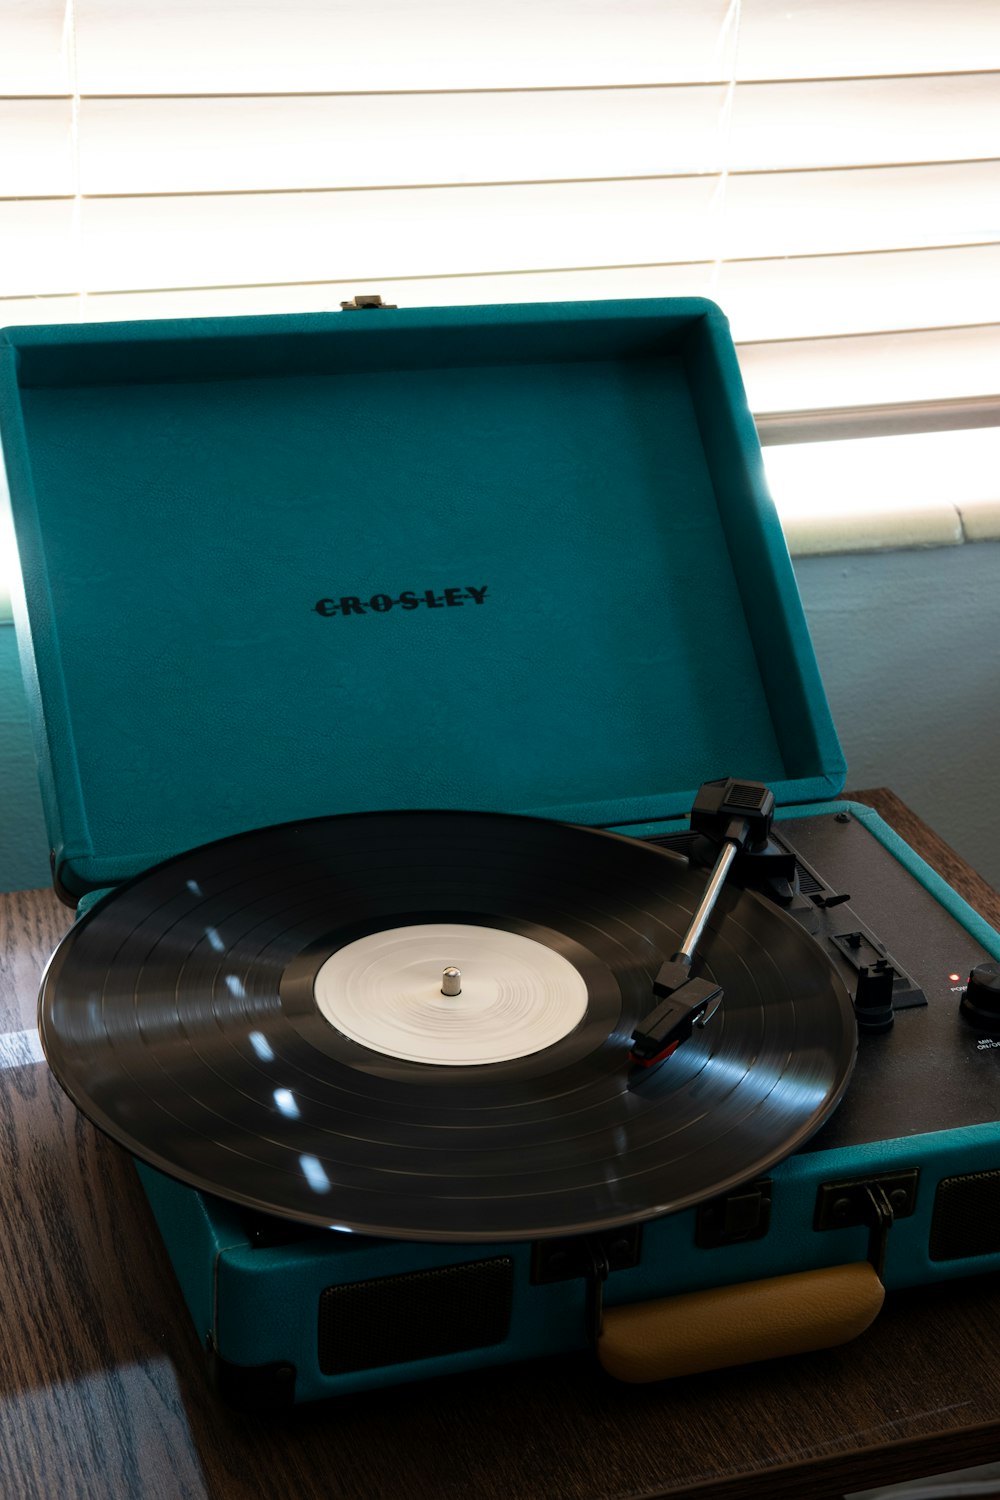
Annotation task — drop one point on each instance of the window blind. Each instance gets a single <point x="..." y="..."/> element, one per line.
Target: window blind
<point x="827" y="170"/>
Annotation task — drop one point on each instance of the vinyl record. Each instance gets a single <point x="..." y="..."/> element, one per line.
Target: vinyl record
<point x="263" y="1019"/>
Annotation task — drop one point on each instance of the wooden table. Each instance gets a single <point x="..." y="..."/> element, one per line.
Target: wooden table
<point x="104" y="1396"/>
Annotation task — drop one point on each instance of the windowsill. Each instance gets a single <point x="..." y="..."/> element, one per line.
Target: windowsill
<point x="927" y="489"/>
<point x="891" y="530"/>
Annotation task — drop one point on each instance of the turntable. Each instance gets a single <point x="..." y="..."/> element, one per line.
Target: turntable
<point x="378" y="660"/>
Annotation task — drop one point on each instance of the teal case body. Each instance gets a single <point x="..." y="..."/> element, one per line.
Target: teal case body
<point x="515" y="558"/>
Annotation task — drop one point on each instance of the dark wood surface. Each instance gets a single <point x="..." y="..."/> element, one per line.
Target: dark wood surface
<point x="103" y="1390"/>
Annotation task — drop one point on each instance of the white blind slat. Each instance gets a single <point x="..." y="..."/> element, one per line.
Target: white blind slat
<point x="823" y="168"/>
<point x="33" y="59"/>
<point x="814" y="296"/>
<point x="37" y="246"/>
<point x="199" y="145"/>
<point x="36" y="147"/>
<point x="254" y="144"/>
<point x="19" y="312"/>
<point x="135" y="243"/>
<point x="847" y="38"/>
<point x="872" y="370"/>
<point x="865" y="121"/>
<point x="201" y="47"/>
<point x="870" y="208"/>
<point x="446" y="291"/>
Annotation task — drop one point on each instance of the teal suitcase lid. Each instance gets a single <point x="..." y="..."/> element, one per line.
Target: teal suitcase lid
<point x="519" y="558"/>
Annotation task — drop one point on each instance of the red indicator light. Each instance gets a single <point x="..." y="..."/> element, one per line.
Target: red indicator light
<point x="954" y="978"/>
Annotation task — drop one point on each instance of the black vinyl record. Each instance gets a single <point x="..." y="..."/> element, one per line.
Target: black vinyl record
<point x="180" y="1015"/>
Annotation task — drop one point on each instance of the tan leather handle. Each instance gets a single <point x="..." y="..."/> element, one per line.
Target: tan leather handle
<point x="736" y="1325"/>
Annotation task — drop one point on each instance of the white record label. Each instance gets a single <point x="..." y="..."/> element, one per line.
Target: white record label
<point x="517" y="997"/>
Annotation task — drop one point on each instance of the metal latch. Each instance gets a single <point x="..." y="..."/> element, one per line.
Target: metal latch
<point x="590" y="1256"/>
<point x="875" y="1201"/>
<point x="363" y="301"/>
<point x="567" y="1257"/>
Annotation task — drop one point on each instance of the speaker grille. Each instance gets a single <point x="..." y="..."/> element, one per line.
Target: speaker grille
<point x="966" y="1217"/>
<point x="396" y="1319"/>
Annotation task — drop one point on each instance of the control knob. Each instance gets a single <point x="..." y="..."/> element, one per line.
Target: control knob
<point x="980" y="1005"/>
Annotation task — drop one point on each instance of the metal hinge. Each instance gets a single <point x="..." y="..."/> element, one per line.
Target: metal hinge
<point x="363" y="301"/>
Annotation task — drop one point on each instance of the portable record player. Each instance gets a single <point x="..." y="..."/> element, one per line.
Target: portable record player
<point x="377" y="658"/>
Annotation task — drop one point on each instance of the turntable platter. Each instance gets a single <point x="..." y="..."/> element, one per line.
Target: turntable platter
<point x="266" y="1018"/>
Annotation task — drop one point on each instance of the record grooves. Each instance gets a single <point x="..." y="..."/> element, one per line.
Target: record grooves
<point x="181" y="1016"/>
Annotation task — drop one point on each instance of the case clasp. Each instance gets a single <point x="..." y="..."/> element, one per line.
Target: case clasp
<point x="363" y="301"/>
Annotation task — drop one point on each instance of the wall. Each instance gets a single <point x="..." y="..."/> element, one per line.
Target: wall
<point x="909" y="646"/>
<point x="24" y="856"/>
